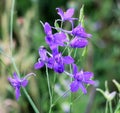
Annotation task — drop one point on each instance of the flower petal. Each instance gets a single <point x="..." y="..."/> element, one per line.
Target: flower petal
<point x="55" y="51"/>
<point x="69" y="13"/>
<point x="15" y="76"/>
<point x="74" y="86"/>
<point x="80" y="31"/>
<point x="60" y="38"/>
<point x="88" y="75"/>
<point x="68" y="60"/>
<point x="11" y="80"/>
<point x="49" y="39"/>
<point x="82" y="87"/>
<point x="78" y="42"/>
<point x="50" y="63"/>
<point x="43" y="53"/>
<point x="60" y="12"/>
<point x="39" y="65"/>
<point x="47" y="28"/>
<point x="75" y="69"/>
<point x="89" y="82"/>
<point x="24" y="82"/>
<point x="59" y="68"/>
<point x="17" y="93"/>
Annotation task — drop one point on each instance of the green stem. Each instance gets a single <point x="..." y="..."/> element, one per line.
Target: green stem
<point x="110" y="106"/>
<point x="75" y="52"/>
<point x="11" y="25"/>
<point x="118" y="107"/>
<point x="64" y="50"/>
<point x="15" y="67"/>
<point x="31" y="101"/>
<point x="77" y="97"/>
<point x="53" y="86"/>
<point x="71" y="96"/>
<point x="61" y="97"/>
<point x="106" y="109"/>
<point x="50" y="94"/>
<point x="61" y="24"/>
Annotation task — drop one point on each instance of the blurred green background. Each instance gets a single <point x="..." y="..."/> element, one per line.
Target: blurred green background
<point x="102" y="20"/>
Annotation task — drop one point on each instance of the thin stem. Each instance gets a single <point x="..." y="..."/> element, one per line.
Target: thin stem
<point x="50" y="94"/>
<point x="61" y="24"/>
<point x="77" y="97"/>
<point x="58" y="20"/>
<point x="106" y="109"/>
<point x="110" y="106"/>
<point x="75" y="52"/>
<point x="15" y="67"/>
<point x="68" y="74"/>
<point x="31" y="101"/>
<point x="29" y="75"/>
<point x="11" y="26"/>
<point x="61" y="97"/>
<point x="64" y="50"/>
<point x="53" y="86"/>
<point x="71" y="96"/>
<point x="118" y="106"/>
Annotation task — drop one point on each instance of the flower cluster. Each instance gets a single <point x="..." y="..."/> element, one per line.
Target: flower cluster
<point x="56" y="60"/>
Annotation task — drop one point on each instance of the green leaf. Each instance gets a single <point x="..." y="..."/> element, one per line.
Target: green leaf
<point x="84" y="51"/>
<point x="81" y="15"/>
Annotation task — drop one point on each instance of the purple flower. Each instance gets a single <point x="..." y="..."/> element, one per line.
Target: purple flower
<point x="54" y="40"/>
<point x="66" y="15"/>
<point x="81" y="78"/>
<point x="59" y="62"/>
<point x="44" y="59"/>
<point x="78" y="42"/>
<point x="17" y="83"/>
<point x="80" y="32"/>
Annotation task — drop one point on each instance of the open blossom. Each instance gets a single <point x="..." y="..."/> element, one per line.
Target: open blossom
<point x="80" y="32"/>
<point x="55" y="60"/>
<point x="17" y="83"/>
<point x="59" y="62"/>
<point x="54" y="40"/>
<point x="66" y="15"/>
<point x="44" y="59"/>
<point x="80" y="79"/>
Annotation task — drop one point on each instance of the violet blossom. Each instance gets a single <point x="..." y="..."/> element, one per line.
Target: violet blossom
<point x="59" y="62"/>
<point x="78" y="42"/>
<point x="66" y="16"/>
<point x="80" y="32"/>
<point x="80" y="79"/>
<point x="17" y="83"/>
<point x="54" y="40"/>
<point x="44" y="59"/>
